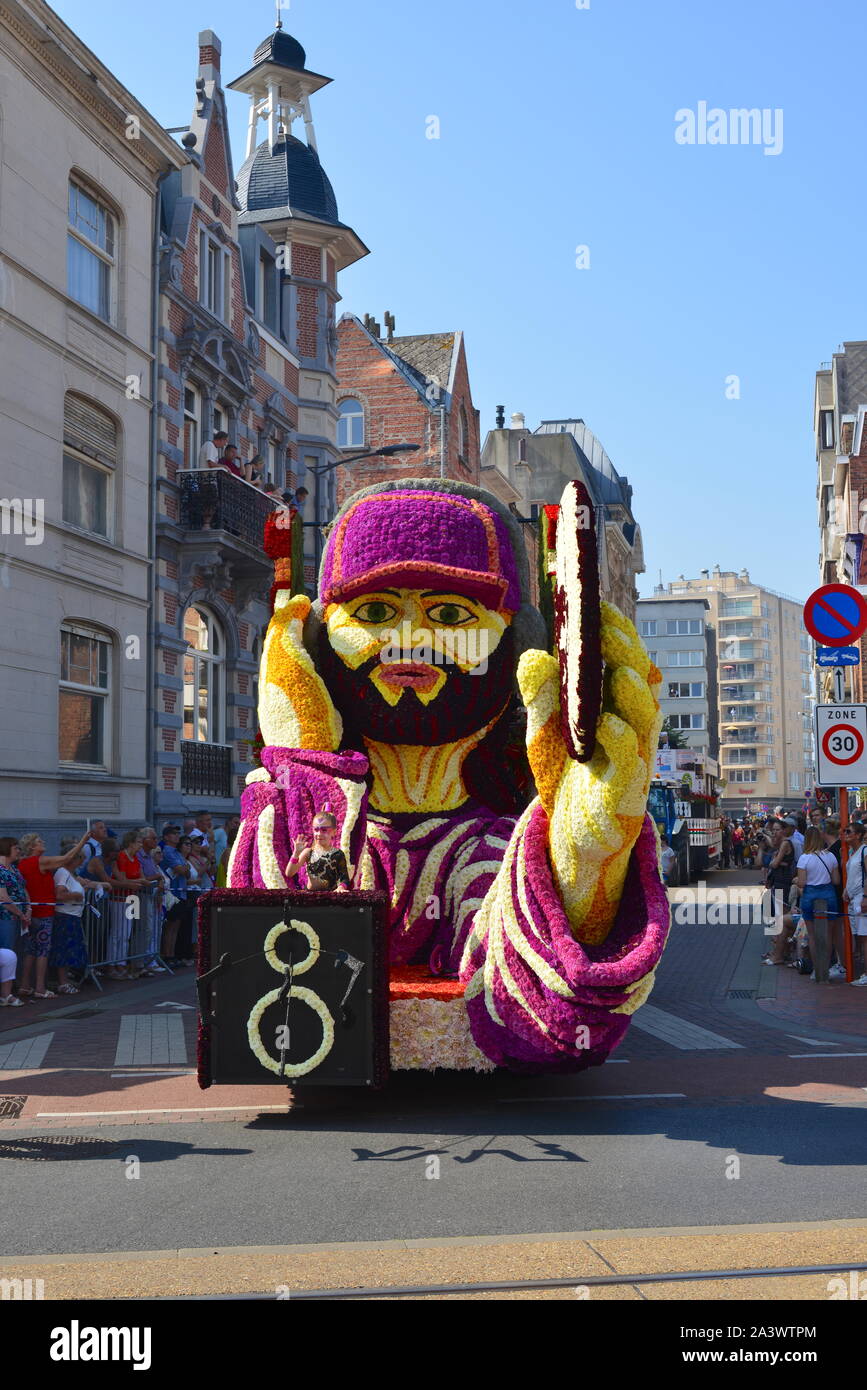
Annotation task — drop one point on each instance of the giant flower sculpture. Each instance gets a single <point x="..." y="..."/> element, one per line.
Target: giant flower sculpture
<point x="520" y="936"/>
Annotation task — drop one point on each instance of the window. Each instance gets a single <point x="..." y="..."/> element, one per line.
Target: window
<point x="680" y="658"/>
<point x="350" y="425"/>
<point x="647" y="627"/>
<point x="794" y="781"/>
<point x="268" y="292"/>
<point x="89" y="461"/>
<point x="84" y="695"/>
<point x="213" y="275"/>
<point x="772" y="776"/>
<point x="90" y="252"/>
<point x="682" y="627"/>
<point x="742" y="775"/>
<point x="826" y="429"/>
<point x="192" y="426"/>
<point x="738" y="608"/>
<point x="203" y="678"/>
<point x="686" y="721"/>
<point x="463" y="436"/>
<point x="686" y="690"/>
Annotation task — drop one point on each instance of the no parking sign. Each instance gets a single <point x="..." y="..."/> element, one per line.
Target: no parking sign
<point x="841" y="741"/>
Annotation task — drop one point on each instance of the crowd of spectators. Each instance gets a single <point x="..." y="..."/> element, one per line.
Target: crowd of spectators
<point x="218" y="453"/>
<point x="49" y="902"/>
<point x="800" y="860"/>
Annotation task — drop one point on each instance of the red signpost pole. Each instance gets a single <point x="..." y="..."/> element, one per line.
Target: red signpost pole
<point x="847" y="934"/>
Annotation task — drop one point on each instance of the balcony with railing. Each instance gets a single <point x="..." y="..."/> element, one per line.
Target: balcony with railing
<point x="744" y="694"/>
<point x="223" y="520"/>
<point x="206" y="769"/>
<point x="213" y="499"/>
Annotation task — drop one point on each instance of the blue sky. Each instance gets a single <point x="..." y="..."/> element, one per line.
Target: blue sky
<point x="557" y="130"/>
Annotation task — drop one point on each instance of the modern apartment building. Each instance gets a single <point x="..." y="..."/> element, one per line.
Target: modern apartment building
<point x="676" y="633"/>
<point x="764" y="688"/>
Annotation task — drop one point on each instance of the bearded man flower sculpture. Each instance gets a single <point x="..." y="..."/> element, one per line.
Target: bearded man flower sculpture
<point x="518" y="938"/>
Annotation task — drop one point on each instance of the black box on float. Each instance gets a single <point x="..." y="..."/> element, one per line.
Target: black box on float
<point x="293" y="988"/>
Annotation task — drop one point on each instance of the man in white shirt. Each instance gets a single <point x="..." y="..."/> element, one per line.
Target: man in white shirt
<point x="93" y="846"/>
<point x="796" y="837"/>
<point x="213" y="449"/>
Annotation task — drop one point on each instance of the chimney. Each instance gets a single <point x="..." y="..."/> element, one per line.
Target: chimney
<point x="518" y="421"/>
<point x="210" y="49"/>
<point x="501" y="417"/>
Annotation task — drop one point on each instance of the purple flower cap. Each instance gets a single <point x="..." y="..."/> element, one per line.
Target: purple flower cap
<point x="421" y="540"/>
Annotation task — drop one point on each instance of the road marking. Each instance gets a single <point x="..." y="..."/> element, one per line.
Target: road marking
<point x="188" y="1110"/>
<point x="828" y="1054"/>
<point x="170" y="1004"/>
<point x="616" y="1062"/>
<point x="651" y="1095"/>
<point x="813" y="1042"/>
<point x="150" y="1038"/>
<point x="115" y="1075"/>
<point x="29" y="1052"/>
<point x="688" y="1037"/>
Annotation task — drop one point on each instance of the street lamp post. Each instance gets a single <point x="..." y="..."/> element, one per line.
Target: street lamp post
<point x="319" y="473"/>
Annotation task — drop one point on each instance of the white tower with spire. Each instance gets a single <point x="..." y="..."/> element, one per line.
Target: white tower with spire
<point x="279" y="87"/>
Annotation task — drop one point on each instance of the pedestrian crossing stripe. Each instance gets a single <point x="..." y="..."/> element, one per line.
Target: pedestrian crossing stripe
<point x="25" y="1054"/>
<point x="150" y="1038"/>
<point x="687" y="1037"/>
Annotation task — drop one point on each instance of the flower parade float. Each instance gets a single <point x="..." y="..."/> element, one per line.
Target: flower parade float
<point x="510" y="925"/>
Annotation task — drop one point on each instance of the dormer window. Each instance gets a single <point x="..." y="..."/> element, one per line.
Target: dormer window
<point x="268" y="292"/>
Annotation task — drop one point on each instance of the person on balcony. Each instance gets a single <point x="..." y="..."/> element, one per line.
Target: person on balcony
<point x="254" y="471"/>
<point x="212" y="449"/>
<point x="229" y="459"/>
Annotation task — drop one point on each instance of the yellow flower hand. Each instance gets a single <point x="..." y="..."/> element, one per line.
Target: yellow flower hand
<point x="295" y="709"/>
<point x="595" y="809"/>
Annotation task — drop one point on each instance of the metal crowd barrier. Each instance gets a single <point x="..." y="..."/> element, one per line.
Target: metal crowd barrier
<point x="120" y="926"/>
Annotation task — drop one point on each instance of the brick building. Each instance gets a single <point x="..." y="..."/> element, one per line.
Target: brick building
<point x="840" y="410"/>
<point x="248" y="284"/>
<point x="407" y="390"/>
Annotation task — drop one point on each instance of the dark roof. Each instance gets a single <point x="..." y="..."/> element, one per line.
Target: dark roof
<point x="609" y="486"/>
<point x="428" y="356"/>
<point x="851" y="377"/>
<point x="291" y="177"/>
<point x="282" y="49"/>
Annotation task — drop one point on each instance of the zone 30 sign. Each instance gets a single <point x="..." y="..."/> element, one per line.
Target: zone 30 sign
<point x="841" y="741"/>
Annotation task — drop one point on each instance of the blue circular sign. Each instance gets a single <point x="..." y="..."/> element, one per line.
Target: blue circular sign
<point x="835" y="615"/>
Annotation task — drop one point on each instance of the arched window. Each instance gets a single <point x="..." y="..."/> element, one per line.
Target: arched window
<point x="204" y="689"/>
<point x="85" y="693"/>
<point x="350" y="425"/>
<point x="91" y="251"/>
<point x="463" y="436"/>
<point x="89" y="464"/>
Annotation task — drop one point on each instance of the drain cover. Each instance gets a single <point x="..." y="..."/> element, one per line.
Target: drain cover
<point x="741" y="993"/>
<point x="48" y="1148"/>
<point x="11" y="1107"/>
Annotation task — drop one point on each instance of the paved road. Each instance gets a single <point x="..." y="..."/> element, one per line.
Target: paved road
<point x="733" y="1100"/>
